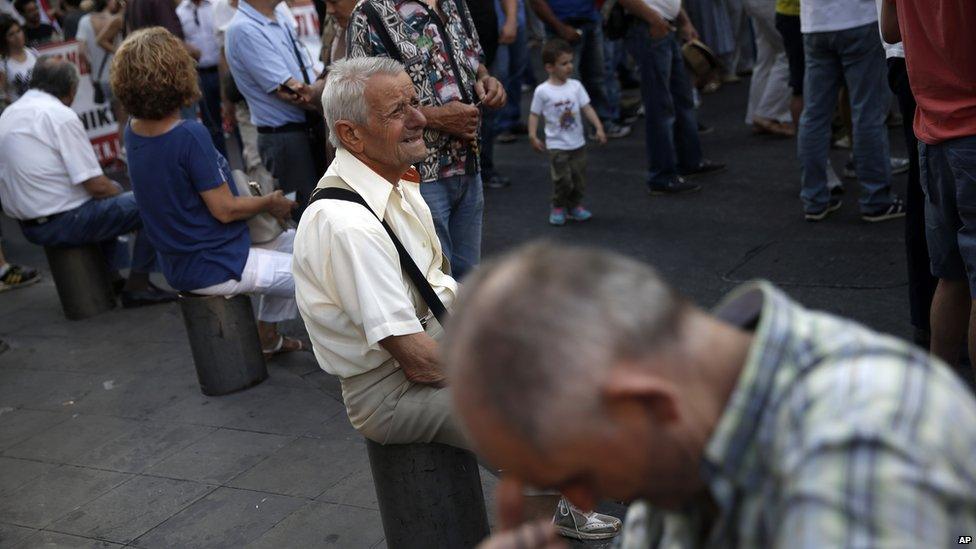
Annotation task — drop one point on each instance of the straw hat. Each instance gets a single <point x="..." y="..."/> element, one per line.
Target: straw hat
<point x="699" y="59"/>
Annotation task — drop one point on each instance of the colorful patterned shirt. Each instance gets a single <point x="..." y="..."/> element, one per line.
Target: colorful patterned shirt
<point x="835" y="436"/>
<point x="442" y="58"/>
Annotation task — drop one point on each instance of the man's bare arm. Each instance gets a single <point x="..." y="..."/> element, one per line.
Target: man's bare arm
<point x="419" y="357"/>
<point x="889" y="22"/>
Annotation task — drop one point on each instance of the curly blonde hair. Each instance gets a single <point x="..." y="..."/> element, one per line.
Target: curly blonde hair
<point x="153" y="74"/>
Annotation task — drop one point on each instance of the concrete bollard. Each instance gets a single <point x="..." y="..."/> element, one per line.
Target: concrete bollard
<point x="224" y="341"/>
<point x="82" y="279"/>
<point x="429" y="495"/>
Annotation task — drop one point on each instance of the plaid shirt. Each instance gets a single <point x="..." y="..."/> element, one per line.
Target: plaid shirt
<point x="438" y="76"/>
<point x="835" y="436"/>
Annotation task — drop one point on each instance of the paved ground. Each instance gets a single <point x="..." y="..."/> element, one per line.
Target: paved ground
<point x="106" y="441"/>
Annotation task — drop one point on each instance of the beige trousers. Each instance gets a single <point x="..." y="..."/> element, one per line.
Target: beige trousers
<point x="387" y="408"/>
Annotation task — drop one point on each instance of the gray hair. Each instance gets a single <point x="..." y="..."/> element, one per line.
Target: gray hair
<point x="344" y="97"/>
<point x="55" y="76"/>
<point x="536" y="332"/>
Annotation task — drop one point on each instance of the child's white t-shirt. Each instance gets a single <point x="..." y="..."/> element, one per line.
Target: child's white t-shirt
<point x="560" y="107"/>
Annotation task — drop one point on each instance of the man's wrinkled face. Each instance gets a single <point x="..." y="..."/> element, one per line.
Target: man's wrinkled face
<point x="619" y="452"/>
<point x="394" y="133"/>
<point x="341" y="10"/>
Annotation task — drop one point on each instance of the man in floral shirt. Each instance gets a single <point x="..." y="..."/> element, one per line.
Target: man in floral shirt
<point x="437" y="42"/>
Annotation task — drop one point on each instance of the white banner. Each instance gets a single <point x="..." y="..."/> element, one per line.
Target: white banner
<point x="308" y="30"/>
<point x="99" y="120"/>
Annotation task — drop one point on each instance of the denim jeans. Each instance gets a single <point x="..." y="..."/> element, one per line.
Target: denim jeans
<point x="671" y="141"/>
<point x="210" y="108"/>
<point x="457" y="204"/>
<point x="948" y="177"/>
<point x="99" y="221"/>
<point x="511" y="64"/>
<point x="857" y="57"/>
<point x="588" y="64"/>
<point x="613" y="56"/>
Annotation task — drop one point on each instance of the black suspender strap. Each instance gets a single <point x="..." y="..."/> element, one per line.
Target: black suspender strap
<point x="420" y="282"/>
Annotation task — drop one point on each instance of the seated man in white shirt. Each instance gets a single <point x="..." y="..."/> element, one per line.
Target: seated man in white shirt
<point x="367" y="321"/>
<point x="50" y="180"/>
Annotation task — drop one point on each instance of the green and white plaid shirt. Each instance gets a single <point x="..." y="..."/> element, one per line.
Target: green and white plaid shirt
<point x="835" y="436"/>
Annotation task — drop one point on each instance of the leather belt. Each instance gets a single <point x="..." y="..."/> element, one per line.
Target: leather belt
<point x="39" y="220"/>
<point x="291" y="127"/>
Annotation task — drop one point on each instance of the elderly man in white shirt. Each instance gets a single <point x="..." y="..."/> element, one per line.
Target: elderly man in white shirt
<point x="51" y="182"/>
<point x="370" y="325"/>
<point x="197" y="20"/>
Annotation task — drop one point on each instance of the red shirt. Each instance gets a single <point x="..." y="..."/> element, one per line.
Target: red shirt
<point x="940" y="53"/>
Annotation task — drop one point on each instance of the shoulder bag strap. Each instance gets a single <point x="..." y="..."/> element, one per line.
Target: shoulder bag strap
<point x="376" y="22"/>
<point x="420" y="282"/>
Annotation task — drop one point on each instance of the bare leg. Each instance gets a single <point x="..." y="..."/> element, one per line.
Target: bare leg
<point x="950" y="320"/>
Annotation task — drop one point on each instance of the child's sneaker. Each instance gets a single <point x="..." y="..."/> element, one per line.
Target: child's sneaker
<point x="557" y="216"/>
<point x="579" y="213"/>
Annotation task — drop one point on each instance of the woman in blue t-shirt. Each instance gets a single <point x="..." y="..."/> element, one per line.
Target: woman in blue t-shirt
<point x="193" y="217"/>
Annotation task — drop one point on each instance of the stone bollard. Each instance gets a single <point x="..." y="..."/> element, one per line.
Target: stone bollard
<point x="82" y="279"/>
<point x="429" y="495"/>
<point x="224" y="341"/>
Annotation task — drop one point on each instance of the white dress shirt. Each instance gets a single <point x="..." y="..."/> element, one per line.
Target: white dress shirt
<point x="198" y="30"/>
<point x="349" y="286"/>
<point x="45" y="155"/>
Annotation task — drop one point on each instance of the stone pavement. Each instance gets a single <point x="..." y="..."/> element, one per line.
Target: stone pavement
<point x="105" y="439"/>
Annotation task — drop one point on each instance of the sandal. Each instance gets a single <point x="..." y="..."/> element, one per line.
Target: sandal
<point x="283" y="345"/>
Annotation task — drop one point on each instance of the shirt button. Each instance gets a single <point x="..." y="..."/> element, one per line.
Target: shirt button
<point x="424" y="244"/>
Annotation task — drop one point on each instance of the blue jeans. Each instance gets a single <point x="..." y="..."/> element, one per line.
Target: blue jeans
<point x="457" y="204"/>
<point x="99" y="221"/>
<point x="671" y="139"/>
<point x="210" y="108"/>
<point x="589" y="66"/>
<point x="948" y="177"/>
<point x="511" y="63"/>
<point x="613" y="56"/>
<point x="857" y="57"/>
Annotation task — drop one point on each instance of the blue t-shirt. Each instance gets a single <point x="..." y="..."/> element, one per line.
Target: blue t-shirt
<point x="574" y="9"/>
<point x="168" y="173"/>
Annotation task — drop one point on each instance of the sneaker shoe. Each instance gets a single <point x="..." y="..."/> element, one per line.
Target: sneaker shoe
<point x="894" y="210"/>
<point x="573" y="523"/>
<point x="832" y="206"/>
<point x="498" y="182"/>
<point x="899" y="165"/>
<point x="579" y="213"/>
<point x="836" y="190"/>
<point x="705" y="130"/>
<point x="676" y="186"/>
<point x="17" y="276"/>
<point x="616" y="131"/>
<point x="506" y="137"/>
<point x="557" y="217"/>
<point x="842" y="143"/>
<point x="707" y="167"/>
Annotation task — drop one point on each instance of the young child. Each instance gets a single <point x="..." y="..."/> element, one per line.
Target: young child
<point x="560" y="100"/>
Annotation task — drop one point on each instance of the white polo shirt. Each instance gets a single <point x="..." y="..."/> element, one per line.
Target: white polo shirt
<point x="45" y="155"/>
<point x="835" y="15"/>
<point x="198" y="29"/>
<point x="349" y="286"/>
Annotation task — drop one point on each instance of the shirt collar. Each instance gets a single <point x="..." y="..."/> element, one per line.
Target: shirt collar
<point x="361" y="178"/>
<point x="731" y="451"/>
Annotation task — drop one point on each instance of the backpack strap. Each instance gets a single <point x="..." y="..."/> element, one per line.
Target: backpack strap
<point x="420" y="282"/>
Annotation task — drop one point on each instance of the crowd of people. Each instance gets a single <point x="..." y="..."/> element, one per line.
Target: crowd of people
<point x="360" y="203"/>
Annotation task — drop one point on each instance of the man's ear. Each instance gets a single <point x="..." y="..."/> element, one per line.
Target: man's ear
<point x="634" y="383"/>
<point x="348" y="135"/>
